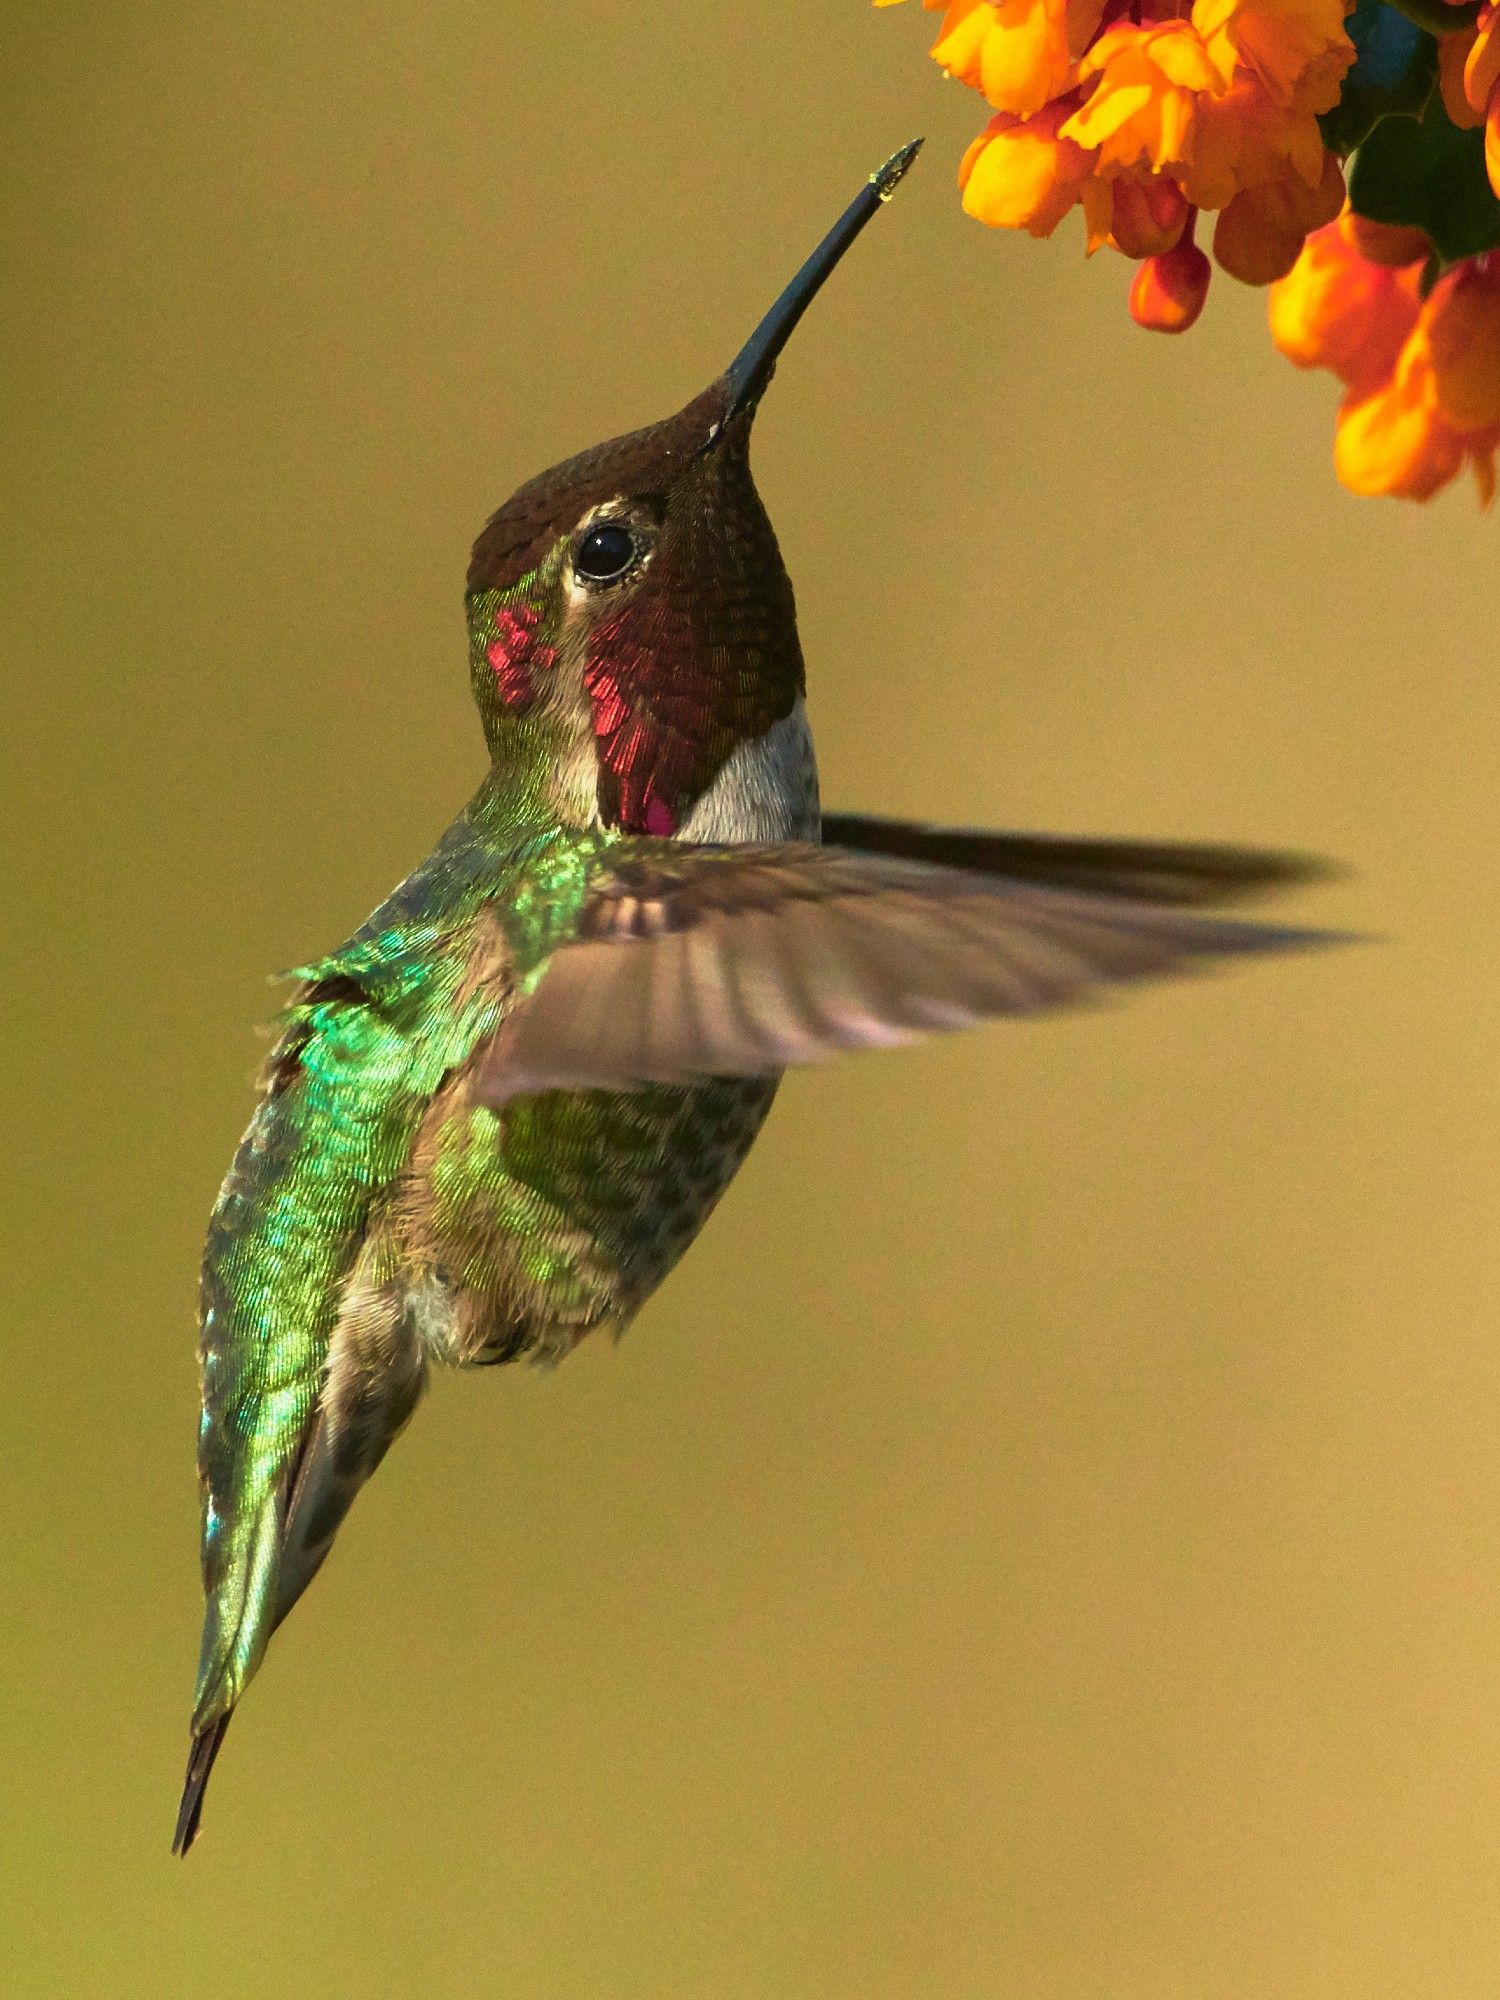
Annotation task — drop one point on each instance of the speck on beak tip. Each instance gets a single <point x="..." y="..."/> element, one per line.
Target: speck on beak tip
<point x="752" y="367"/>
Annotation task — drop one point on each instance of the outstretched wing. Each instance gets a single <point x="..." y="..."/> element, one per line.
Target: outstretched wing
<point x="711" y="961"/>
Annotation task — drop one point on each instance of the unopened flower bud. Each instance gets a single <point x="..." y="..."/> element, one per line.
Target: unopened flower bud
<point x="1169" y="291"/>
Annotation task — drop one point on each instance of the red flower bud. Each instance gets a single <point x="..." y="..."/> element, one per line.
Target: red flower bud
<point x="1169" y="291"/>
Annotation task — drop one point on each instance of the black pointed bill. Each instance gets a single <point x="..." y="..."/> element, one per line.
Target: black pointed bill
<point x="752" y="367"/>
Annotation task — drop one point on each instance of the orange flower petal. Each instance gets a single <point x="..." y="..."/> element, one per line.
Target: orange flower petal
<point x="1098" y="212"/>
<point x="1460" y="327"/>
<point x="1261" y="232"/>
<point x="1150" y="83"/>
<point x="1023" y="175"/>
<point x="1244" y="137"/>
<point x="959" y="48"/>
<point x="1292" y="47"/>
<point x="1106" y="114"/>
<point x="1178" y="52"/>
<point x="1177" y="109"/>
<point x="1482" y="70"/>
<point x="1026" y="60"/>
<point x="1395" y="443"/>
<point x="1335" y="310"/>
<point x="1453" y="54"/>
<point x="1112" y="43"/>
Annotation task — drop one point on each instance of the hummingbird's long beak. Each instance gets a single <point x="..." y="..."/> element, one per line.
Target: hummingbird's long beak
<point x="752" y="367"/>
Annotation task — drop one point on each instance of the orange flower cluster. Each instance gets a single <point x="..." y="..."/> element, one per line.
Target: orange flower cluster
<point x="1143" y="116"/>
<point x="1422" y="374"/>
<point x="1469" y="71"/>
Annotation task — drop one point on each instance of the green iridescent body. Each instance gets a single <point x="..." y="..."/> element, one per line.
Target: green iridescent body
<point x="373" y="1208"/>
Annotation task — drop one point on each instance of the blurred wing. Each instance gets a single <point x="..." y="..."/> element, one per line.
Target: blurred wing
<point x="1143" y="871"/>
<point x="712" y="961"/>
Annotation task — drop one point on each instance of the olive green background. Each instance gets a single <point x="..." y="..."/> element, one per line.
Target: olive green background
<point x="1044" y="1540"/>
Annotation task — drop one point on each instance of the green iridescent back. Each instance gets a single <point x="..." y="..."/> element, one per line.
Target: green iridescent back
<point x="500" y="1233"/>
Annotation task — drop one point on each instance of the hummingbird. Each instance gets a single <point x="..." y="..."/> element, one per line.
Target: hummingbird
<point x="496" y="1117"/>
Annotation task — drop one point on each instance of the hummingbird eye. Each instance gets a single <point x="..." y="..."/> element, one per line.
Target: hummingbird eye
<point x="604" y="553"/>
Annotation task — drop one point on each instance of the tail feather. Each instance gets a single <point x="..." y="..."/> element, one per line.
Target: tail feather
<point x="206" y="1745"/>
<point x="361" y="1415"/>
<point x="1175" y="872"/>
<point x="257" y="1577"/>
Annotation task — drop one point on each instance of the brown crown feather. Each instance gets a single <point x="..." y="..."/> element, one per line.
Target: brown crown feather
<point x="516" y="538"/>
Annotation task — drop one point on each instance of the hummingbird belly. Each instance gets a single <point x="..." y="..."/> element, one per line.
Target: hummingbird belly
<point x="525" y="1229"/>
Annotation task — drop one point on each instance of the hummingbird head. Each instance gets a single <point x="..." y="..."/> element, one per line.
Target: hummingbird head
<point x="631" y="621"/>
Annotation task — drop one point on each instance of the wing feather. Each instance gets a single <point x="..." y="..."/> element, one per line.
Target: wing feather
<point x="1179" y="873"/>
<point x="705" y="961"/>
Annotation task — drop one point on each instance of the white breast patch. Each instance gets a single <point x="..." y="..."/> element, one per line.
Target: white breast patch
<point x="767" y="790"/>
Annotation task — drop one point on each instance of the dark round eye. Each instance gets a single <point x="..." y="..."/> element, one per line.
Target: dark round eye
<point x="605" y="553"/>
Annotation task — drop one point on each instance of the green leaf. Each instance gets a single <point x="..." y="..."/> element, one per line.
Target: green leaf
<point x="1394" y="68"/>
<point x="1428" y="175"/>
<point x="1438" y="16"/>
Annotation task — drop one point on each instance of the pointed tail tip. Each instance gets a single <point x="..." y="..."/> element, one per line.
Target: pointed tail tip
<point x="205" y="1748"/>
<point x="885" y="180"/>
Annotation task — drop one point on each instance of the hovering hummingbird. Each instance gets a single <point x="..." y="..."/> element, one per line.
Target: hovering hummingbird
<point x="497" y="1116"/>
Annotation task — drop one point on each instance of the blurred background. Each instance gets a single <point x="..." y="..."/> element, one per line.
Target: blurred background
<point x="1044" y="1540"/>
